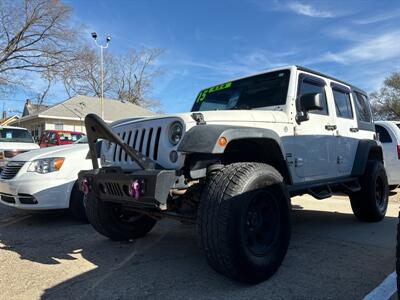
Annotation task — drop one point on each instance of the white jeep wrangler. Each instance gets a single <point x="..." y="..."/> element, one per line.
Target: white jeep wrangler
<point x="232" y="164"/>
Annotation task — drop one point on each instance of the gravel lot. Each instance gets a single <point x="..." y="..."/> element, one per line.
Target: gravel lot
<point x="52" y="256"/>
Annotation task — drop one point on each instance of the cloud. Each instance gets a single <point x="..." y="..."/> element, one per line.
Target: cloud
<point x="373" y="49"/>
<point x="297" y="7"/>
<point x="378" y="18"/>
<point x="240" y="63"/>
<point x="308" y="10"/>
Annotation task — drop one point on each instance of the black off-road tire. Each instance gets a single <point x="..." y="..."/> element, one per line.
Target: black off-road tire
<point x="76" y="204"/>
<point x="244" y="221"/>
<point x="370" y="203"/>
<point x="112" y="221"/>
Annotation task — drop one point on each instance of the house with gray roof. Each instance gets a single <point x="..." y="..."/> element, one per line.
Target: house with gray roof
<point x="70" y="114"/>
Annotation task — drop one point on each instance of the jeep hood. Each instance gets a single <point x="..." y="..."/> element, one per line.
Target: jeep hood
<point x="233" y="116"/>
<point x="224" y="117"/>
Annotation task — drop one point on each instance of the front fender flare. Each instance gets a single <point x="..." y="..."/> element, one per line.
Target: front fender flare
<point x="204" y="138"/>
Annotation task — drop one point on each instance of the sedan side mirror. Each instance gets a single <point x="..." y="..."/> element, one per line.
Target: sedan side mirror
<point x="311" y="101"/>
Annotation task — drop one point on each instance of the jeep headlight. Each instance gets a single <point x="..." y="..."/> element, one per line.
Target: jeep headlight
<point x="46" y="165"/>
<point x="175" y="132"/>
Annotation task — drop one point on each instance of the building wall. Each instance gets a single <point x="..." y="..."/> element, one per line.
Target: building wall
<point x="38" y="125"/>
<point x="70" y="125"/>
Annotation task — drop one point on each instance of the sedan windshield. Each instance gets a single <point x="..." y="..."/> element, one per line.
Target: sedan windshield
<point x="82" y="140"/>
<point x="15" y="135"/>
<point x="268" y="89"/>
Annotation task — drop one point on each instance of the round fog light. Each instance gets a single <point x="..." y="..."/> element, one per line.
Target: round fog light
<point x="173" y="156"/>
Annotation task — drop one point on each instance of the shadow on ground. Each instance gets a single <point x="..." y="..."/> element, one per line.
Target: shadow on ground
<point x="331" y="255"/>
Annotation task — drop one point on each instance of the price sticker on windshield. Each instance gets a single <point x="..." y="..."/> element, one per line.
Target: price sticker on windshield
<point x="202" y="95"/>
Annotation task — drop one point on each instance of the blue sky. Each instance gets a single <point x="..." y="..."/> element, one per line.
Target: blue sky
<point x="207" y="42"/>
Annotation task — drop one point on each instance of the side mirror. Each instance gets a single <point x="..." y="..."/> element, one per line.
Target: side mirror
<point x="311" y="101"/>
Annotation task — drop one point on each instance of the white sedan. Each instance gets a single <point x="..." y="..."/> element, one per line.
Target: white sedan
<point x="389" y="135"/>
<point x="46" y="179"/>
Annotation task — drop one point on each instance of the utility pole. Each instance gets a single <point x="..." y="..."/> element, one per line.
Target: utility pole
<point x="102" y="47"/>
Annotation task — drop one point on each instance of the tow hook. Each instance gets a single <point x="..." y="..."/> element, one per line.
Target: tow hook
<point x="134" y="189"/>
<point x="85" y="186"/>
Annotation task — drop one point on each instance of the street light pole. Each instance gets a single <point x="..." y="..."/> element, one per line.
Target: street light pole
<point x="102" y="47"/>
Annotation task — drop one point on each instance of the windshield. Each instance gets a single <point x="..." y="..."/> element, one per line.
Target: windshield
<point x="82" y="140"/>
<point x="15" y="135"/>
<point x="69" y="137"/>
<point x="269" y="89"/>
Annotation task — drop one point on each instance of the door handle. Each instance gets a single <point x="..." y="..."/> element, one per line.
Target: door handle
<point x="354" y="129"/>
<point x="330" y="127"/>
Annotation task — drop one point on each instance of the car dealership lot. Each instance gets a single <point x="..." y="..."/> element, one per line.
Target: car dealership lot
<point x="331" y="255"/>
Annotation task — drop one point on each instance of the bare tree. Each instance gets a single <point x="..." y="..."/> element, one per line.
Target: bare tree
<point x="127" y="77"/>
<point x="135" y="75"/>
<point x="48" y="77"/>
<point x="34" y="36"/>
<point x="82" y="74"/>
<point x="386" y="101"/>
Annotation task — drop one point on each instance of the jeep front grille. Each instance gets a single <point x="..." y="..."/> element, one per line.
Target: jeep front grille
<point x="11" y="169"/>
<point x="143" y="140"/>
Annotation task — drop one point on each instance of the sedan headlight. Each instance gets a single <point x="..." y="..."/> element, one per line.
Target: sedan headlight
<point x="46" y="165"/>
<point x="175" y="132"/>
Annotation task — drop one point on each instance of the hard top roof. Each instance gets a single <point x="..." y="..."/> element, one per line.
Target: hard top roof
<point x="289" y="67"/>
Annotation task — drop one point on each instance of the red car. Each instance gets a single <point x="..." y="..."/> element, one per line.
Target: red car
<point x="59" y="137"/>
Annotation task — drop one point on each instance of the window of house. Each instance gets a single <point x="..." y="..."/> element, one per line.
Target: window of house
<point x="343" y="104"/>
<point x="362" y="107"/>
<point x="308" y="87"/>
<point x="384" y="136"/>
<point x="58" y="126"/>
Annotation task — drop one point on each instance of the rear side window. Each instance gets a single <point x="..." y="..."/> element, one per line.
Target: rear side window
<point x="362" y="107"/>
<point x="308" y="87"/>
<point x="384" y="136"/>
<point x="342" y="104"/>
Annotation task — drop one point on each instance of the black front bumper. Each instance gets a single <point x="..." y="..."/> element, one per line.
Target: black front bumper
<point x="149" y="186"/>
<point x="114" y="185"/>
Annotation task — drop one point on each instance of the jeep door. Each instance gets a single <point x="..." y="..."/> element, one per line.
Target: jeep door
<point x="314" y="138"/>
<point x="347" y="128"/>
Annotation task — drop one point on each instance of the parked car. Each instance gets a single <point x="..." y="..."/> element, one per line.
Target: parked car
<point x="389" y="135"/>
<point x="52" y="138"/>
<point x="13" y="141"/>
<point x="46" y="179"/>
<point x="232" y="163"/>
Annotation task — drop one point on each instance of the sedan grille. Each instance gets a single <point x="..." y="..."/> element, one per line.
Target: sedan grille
<point x="143" y="140"/>
<point x="11" y="169"/>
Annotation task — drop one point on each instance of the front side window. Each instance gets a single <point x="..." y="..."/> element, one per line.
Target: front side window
<point x="264" y="90"/>
<point x="15" y="135"/>
<point x="362" y="107"/>
<point x="308" y="87"/>
<point x="384" y="135"/>
<point x="52" y="138"/>
<point x="342" y="104"/>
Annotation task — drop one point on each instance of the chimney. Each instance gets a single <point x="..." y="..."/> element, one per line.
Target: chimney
<point x="28" y="102"/>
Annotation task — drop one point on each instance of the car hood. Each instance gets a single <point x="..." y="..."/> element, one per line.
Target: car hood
<point x="17" y="146"/>
<point x="57" y="151"/>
